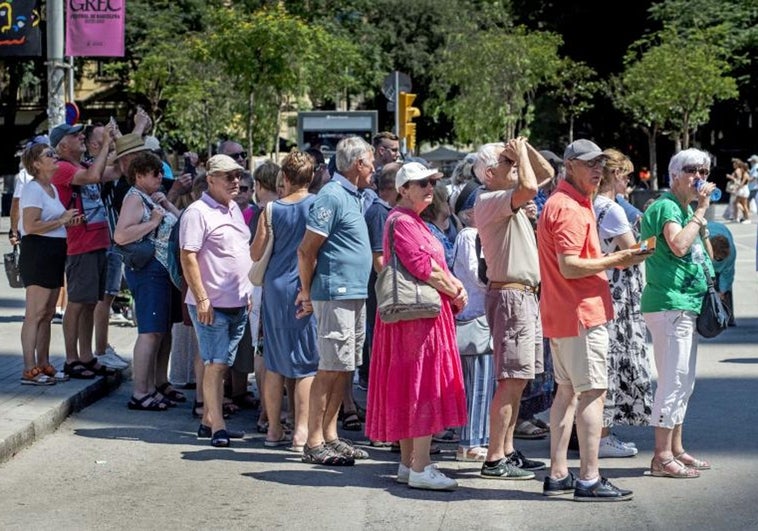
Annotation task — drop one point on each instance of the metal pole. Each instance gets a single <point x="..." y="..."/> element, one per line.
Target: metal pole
<point x="397" y="102"/>
<point x="56" y="112"/>
<point x="71" y="80"/>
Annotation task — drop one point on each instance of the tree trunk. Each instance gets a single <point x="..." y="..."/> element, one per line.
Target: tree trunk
<point x="651" y="133"/>
<point x="571" y="129"/>
<point x="278" y="129"/>
<point x="250" y="123"/>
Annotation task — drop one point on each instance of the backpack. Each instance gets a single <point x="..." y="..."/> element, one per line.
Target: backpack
<point x="174" y="260"/>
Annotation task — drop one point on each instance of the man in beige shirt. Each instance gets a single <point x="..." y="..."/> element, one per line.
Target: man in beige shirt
<point x="510" y="175"/>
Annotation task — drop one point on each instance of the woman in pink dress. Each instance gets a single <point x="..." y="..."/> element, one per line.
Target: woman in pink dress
<point x="415" y="380"/>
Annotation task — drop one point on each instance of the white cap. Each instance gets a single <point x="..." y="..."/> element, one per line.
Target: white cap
<point x="413" y="171"/>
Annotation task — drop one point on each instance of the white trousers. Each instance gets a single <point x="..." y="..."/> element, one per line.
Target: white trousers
<point x="675" y="350"/>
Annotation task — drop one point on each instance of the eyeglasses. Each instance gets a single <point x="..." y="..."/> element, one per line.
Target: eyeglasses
<point x="50" y="153"/>
<point x="230" y="175"/>
<point x="705" y="172"/>
<point x="600" y="161"/>
<point x="244" y="188"/>
<point x="239" y="156"/>
<point x="423" y="183"/>
<point x="504" y="160"/>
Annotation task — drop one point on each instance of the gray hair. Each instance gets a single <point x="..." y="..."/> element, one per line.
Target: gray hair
<point x="349" y="150"/>
<point x="464" y="170"/>
<point x="687" y="157"/>
<point x="486" y="157"/>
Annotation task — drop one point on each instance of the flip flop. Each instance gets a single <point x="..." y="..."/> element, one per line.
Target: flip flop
<point x="284" y="440"/>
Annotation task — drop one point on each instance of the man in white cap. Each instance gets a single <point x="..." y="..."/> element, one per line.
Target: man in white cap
<point x="79" y="187"/>
<point x="575" y="304"/>
<point x="215" y="255"/>
<point x="335" y="261"/>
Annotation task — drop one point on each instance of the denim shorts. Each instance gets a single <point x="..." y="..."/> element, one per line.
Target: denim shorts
<point x="114" y="272"/>
<point x="152" y="291"/>
<point x="218" y="342"/>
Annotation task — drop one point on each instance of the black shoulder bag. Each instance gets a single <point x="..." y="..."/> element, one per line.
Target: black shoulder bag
<point x="714" y="317"/>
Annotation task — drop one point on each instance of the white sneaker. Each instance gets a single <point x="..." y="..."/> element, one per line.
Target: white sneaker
<point x="611" y="447"/>
<point x="112" y="360"/>
<point x="402" y="474"/>
<point x="431" y="479"/>
<point x="630" y="444"/>
<point x="118" y="318"/>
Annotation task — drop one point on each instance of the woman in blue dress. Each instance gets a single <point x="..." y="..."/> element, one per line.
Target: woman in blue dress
<point x="289" y="343"/>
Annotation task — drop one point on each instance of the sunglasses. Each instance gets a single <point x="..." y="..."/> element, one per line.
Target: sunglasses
<point x="600" y="161"/>
<point x="244" y="188"/>
<point x="705" y="172"/>
<point x="504" y="160"/>
<point x="423" y="183"/>
<point x="239" y="156"/>
<point x="49" y="153"/>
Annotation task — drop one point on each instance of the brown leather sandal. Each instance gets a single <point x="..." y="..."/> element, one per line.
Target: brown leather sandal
<point x="658" y="469"/>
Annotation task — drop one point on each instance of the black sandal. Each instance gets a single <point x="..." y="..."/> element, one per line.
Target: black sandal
<point x="78" y="371"/>
<point x="246" y="401"/>
<point x="102" y="370"/>
<point x="169" y="392"/>
<point x="146" y="403"/>
<point x="352" y="422"/>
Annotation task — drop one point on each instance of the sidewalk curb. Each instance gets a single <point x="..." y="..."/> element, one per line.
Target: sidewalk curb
<point x="33" y="430"/>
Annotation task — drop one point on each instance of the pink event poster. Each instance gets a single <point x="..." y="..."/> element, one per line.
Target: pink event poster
<point x="95" y="28"/>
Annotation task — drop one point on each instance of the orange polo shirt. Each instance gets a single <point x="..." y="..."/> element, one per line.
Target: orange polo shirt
<point x="567" y="226"/>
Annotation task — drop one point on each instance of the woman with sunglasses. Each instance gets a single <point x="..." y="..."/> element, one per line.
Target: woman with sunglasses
<point x="42" y="227"/>
<point x="147" y="213"/>
<point x="415" y="380"/>
<point x="671" y="301"/>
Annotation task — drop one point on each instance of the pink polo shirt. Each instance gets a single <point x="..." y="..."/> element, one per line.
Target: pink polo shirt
<point x="220" y="236"/>
<point x="567" y="226"/>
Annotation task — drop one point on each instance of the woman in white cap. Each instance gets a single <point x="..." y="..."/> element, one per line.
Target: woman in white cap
<point x="415" y="380"/>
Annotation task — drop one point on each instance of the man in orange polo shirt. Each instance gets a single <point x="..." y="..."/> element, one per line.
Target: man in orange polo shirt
<point x="575" y="305"/>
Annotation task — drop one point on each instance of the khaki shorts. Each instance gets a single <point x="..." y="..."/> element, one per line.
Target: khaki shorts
<point x="514" y="319"/>
<point x="582" y="361"/>
<point x="341" y="329"/>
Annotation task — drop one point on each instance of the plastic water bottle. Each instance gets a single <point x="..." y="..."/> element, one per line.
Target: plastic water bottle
<point x="715" y="195"/>
<point x="698" y="255"/>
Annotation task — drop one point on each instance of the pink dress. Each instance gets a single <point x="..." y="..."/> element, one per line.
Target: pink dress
<point x="415" y="380"/>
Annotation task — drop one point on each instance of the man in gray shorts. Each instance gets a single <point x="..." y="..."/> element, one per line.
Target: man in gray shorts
<point x="510" y="250"/>
<point x="334" y="259"/>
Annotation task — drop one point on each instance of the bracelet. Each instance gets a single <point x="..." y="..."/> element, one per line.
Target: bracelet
<point x="202" y="300"/>
<point x="697" y="220"/>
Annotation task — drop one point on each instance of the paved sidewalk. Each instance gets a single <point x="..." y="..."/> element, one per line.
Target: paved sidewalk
<point x="27" y="412"/>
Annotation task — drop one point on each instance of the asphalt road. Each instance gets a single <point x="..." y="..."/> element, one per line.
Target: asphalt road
<point x="110" y="468"/>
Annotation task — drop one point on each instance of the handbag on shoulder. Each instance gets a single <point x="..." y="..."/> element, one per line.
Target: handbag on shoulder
<point x="400" y="296"/>
<point x="258" y="269"/>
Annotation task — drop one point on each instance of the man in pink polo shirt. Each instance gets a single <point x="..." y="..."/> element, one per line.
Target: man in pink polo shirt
<point x="575" y="305"/>
<point x="214" y="240"/>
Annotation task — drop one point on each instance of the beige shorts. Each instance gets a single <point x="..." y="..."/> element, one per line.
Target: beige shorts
<point x="582" y="361"/>
<point x="341" y="327"/>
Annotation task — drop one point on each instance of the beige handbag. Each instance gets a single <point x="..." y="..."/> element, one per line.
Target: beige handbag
<point x="258" y="268"/>
<point x="399" y="295"/>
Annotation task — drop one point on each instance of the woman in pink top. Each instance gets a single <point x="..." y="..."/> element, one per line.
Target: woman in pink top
<point x="415" y="380"/>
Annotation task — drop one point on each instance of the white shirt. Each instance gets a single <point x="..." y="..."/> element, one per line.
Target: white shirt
<point x="51" y="208"/>
<point x="466" y="269"/>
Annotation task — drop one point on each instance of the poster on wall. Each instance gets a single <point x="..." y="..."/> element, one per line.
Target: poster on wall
<point x="19" y="28"/>
<point x="95" y="28"/>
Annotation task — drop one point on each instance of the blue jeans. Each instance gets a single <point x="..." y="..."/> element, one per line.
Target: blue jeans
<point x="218" y="342"/>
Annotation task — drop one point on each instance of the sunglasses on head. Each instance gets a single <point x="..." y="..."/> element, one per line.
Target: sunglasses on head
<point x="239" y="156"/>
<point x="423" y="183"/>
<point x="705" y="172"/>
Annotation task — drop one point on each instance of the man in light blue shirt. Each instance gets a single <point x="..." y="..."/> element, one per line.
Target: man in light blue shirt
<point x="334" y="260"/>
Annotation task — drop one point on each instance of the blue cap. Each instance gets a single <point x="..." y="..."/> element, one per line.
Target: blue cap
<point x="59" y="131"/>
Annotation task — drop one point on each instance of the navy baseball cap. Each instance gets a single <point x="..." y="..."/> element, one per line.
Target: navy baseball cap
<point x="59" y="131"/>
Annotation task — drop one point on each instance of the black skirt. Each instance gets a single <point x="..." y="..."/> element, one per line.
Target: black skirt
<point x="42" y="261"/>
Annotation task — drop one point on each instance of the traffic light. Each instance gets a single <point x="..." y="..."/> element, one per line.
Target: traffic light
<point x="407" y="114"/>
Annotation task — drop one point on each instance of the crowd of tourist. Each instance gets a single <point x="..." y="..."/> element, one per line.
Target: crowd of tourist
<point x="544" y="303"/>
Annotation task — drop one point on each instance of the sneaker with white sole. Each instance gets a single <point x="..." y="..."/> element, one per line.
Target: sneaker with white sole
<point x="112" y="360"/>
<point x="403" y="472"/>
<point x="431" y="479"/>
<point x="611" y="447"/>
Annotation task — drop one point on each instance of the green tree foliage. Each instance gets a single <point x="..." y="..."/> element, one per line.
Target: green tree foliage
<point x="486" y="82"/>
<point x="673" y="85"/>
<point x="577" y="85"/>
